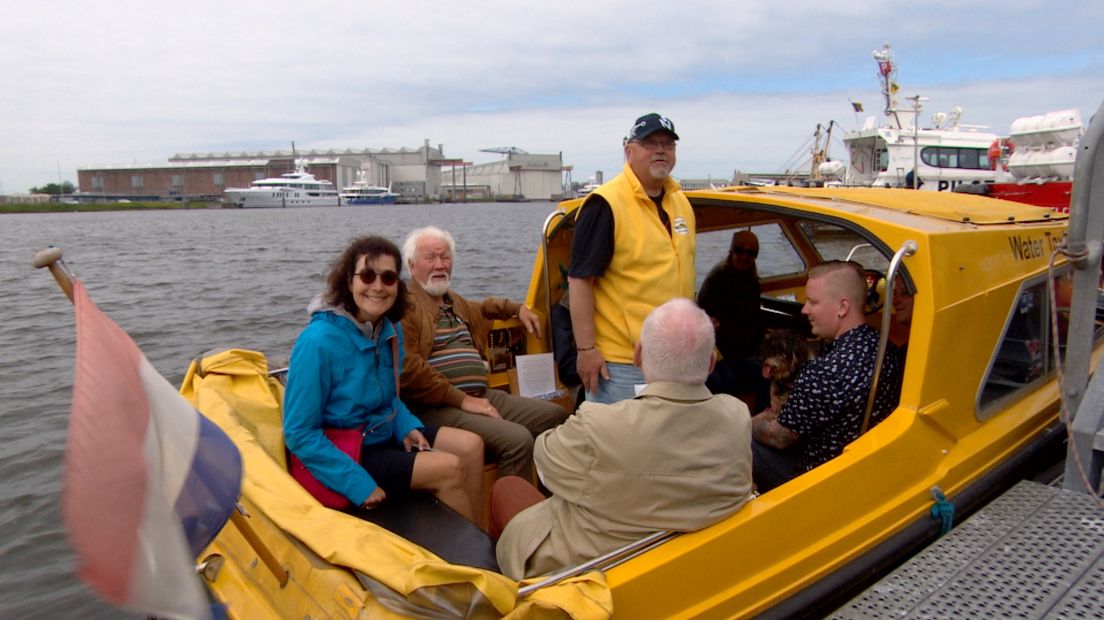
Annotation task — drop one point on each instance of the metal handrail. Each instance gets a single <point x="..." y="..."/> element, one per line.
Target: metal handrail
<point x="602" y="562"/>
<point x="1082" y="398"/>
<point x="908" y="249"/>
<point x="547" y="279"/>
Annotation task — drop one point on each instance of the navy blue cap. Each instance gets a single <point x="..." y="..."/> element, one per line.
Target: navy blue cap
<point x="648" y="124"/>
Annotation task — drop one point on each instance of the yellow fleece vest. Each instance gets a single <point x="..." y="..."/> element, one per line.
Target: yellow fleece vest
<point x="649" y="266"/>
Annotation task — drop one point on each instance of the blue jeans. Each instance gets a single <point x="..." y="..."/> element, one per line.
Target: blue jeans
<point x="620" y="386"/>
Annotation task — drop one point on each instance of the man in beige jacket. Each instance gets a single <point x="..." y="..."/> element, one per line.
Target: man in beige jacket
<point x="674" y="458"/>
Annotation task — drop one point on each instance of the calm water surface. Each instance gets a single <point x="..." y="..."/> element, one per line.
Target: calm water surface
<point x="181" y="283"/>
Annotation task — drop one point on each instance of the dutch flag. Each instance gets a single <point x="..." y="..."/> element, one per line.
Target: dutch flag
<point x="148" y="480"/>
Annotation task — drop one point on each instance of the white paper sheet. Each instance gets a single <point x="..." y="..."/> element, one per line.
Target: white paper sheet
<point x="536" y="375"/>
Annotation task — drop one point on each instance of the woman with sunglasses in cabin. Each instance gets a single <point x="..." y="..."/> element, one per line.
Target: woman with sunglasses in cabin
<point x="730" y="296"/>
<point x="343" y="373"/>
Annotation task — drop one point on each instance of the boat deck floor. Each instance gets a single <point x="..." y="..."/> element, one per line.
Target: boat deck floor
<point x="1035" y="552"/>
<point x="423" y="520"/>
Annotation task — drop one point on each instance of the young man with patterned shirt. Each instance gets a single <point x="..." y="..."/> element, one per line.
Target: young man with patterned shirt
<point x="825" y="410"/>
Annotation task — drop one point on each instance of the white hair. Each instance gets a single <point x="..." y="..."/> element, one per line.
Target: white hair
<point x="676" y="343"/>
<point x="410" y="246"/>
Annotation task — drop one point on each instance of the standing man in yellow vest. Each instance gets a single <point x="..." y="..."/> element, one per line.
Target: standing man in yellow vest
<point x="632" y="251"/>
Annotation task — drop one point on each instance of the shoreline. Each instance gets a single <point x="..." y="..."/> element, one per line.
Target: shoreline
<point x="54" y="207"/>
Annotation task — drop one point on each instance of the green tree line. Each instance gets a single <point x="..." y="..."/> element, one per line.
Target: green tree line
<point x="55" y="189"/>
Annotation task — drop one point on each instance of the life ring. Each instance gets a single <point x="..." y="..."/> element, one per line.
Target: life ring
<point x="999" y="151"/>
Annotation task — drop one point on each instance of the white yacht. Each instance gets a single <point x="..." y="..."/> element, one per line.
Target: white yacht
<point x="292" y="189"/>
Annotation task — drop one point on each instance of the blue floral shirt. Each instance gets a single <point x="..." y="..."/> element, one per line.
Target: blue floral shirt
<point x="829" y="396"/>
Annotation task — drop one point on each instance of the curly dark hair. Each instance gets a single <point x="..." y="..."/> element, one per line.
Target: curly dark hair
<point x="338" y="292"/>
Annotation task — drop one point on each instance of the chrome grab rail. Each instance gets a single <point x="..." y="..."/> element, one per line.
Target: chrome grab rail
<point x="602" y="562"/>
<point x="908" y="249"/>
<point x="547" y="279"/>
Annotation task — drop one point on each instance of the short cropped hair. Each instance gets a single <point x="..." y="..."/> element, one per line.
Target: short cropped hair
<point x="844" y="278"/>
<point x="410" y="246"/>
<point x="338" y="292"/>
<point x="676" y="343"/>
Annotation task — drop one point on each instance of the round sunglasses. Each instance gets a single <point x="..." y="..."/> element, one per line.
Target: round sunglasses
<point x="368" y="276"/>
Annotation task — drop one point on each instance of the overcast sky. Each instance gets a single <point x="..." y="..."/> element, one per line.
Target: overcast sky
<point x="93" y="83"/>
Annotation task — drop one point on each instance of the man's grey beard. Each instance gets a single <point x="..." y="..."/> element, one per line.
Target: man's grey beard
<point x="659" y="172"/>
<point x="436" y="287"/>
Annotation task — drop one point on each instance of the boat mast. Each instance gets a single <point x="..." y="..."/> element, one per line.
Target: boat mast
<point x="887" y="76"/>
<point x="820" y="153"/>
<point x="817" y="156"/>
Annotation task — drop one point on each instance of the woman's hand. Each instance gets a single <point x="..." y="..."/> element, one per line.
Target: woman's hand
<point x="415" y="440"/>
<point x="375" y="499"/>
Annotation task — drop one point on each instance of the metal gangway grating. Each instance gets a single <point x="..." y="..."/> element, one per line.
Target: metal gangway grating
<point x="1035" y="552"/>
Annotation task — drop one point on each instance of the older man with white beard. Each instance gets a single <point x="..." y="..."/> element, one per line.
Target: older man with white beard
<point x="444" y="378"/>
<point x="632" y="250"/>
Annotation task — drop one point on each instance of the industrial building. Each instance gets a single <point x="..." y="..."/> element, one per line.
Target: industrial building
<point x="414" y="173"/>
<point x="418" y="174"/>
<point x="519" y="176"/>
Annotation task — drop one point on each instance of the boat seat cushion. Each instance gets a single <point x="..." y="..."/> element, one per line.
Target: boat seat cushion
<point x="423" y="520"/>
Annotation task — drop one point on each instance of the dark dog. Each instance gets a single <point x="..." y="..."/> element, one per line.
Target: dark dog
<point x="781" y="353"/>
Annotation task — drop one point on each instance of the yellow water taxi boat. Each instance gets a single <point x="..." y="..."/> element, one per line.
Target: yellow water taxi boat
<point x="979" y="401"/>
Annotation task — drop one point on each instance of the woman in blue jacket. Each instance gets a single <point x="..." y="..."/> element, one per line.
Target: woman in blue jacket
<point x="342" y="374"/>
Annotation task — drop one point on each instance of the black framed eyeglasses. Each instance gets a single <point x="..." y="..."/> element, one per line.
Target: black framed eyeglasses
<point x="752" y="253"/>
<point x="368" y="276"/>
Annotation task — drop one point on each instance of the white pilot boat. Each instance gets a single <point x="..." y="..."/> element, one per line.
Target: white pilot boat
<point x="943" y="156"/>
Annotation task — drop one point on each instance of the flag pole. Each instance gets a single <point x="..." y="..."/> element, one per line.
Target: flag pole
<point x="50" y="258"/>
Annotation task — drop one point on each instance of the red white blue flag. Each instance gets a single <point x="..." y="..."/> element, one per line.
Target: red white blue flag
<point x="148" y="481"/>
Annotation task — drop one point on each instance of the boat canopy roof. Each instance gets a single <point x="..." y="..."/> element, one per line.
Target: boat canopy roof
<point x="950" y="207"/>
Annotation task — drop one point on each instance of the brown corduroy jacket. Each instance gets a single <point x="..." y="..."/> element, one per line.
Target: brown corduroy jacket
<point x="421" y="383"/>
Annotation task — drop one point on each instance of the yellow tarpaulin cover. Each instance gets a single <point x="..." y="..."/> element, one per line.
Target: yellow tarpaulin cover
<point x="233" y="389"/>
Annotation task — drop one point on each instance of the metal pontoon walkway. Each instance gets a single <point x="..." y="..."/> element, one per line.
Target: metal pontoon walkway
<point x="1035" y="552"/>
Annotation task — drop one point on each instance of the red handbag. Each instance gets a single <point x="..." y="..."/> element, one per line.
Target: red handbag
<point x="348" y="440"/>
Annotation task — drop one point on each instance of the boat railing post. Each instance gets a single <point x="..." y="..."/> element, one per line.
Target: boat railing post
<point x="1084" y="400"/>
<point x="1083" y="249"/>
<point x="547" y="278"/>
<point x="908" y="249"/>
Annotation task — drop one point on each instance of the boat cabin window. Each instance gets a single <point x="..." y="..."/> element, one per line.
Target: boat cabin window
<point x="882" y="157"/>
<point x="1025" y="355"/>
<point x="955" y="157"/>
<point x="834" y="242"/>
<point x="777" y="255"/>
